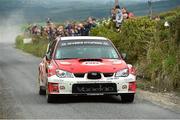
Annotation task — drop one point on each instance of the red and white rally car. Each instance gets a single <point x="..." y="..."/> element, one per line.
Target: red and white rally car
<point x="85" y="66"/>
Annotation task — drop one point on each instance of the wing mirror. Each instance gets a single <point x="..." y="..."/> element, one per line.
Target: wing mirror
<point x="124" y="56"/>
<point x="48" y="57"/>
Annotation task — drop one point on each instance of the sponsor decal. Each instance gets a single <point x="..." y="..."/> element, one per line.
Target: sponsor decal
<point x="119" y="78"/>
<point x="95" y="89"/>
<point x="70" y="43"/>
<point x="117" y="62"/>
<point x="116" y="78"/>
<point x="128" y="79"/>
<point x="92" y="63"/>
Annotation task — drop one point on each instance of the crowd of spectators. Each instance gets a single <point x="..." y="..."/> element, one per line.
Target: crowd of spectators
<point x="53" y="30"/>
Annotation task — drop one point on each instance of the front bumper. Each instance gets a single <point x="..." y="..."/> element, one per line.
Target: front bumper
<point x="65" y="86"/>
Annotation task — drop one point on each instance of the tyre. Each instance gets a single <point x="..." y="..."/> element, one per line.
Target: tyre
<point x="50" y="99"/>
<point x="127" y="98"/>
<point x="42" y="91"/>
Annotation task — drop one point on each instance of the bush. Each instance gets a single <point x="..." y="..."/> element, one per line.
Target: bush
<point x="133" y="38"/>
<point x="19" y="41"/>
<point x="151" y="47"/>
<point x="37" y="47"/>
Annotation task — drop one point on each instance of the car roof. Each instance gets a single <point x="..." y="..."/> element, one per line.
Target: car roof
<point x="82" y="38"/>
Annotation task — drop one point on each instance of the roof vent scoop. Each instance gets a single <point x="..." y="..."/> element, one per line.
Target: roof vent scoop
<point x="91" y="59"/>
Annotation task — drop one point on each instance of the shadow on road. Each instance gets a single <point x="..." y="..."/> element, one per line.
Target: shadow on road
<point x="87" y="99"/>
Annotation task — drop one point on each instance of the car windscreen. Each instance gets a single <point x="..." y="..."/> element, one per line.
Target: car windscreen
<point x="70" y="49"/>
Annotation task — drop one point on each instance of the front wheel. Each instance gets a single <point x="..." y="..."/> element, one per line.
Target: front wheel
<point x="127" y="98"/>
<point x="42" y="90"/>
<point x="50" y="99"/>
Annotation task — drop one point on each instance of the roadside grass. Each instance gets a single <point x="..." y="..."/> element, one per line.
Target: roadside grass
<point x="151" y="47"/>
<point x="37" y="47"/>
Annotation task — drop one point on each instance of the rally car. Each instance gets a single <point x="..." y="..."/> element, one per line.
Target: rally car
<point x="85" y="66"/>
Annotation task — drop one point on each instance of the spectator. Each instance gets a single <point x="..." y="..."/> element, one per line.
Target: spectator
<point x="87" y="28"/>
<point x="72" y="30"/>
<point x="76" y="33"/>
<point x="60" y="31"/>
<point x="81" y="29"/>
<point x="35" y="29"/>
<point x="127" y="14"/>
<point x="130" y="15"/>
<point x="157" y="18"/>
<point x="53" y="31"/>
<point x="119" y="18"/>
<point x="93" y="22"/>
<point x="113" y="14"/>
<point x="69" y="28"/>
<point x="42" y="30"/>
<point x="48" y="21"/>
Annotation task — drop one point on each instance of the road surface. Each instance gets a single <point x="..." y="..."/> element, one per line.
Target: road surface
<point x="19" y="97"/>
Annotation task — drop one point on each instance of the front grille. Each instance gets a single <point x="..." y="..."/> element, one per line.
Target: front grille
<point x="94" y="88"/>
<point x="94" y="75"/>
<point x="108" y="74"/>
<point x="90" y="76"/>
<point x="80" y="75"/>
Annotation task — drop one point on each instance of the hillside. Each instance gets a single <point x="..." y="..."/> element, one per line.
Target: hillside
<point x="61" y="10"/>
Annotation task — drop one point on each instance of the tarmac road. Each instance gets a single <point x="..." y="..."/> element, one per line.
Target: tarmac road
<point x="19" y="97"/>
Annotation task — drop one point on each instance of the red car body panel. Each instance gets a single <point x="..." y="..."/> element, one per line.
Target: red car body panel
<point x="76" y="66"/>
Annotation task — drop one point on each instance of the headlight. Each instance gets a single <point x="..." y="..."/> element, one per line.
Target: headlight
<point x="122" y="73"/>
<point x="63" y="74"/>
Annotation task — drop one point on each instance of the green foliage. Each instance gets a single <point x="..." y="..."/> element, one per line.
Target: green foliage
<point x="133" y="38"/>
<point x="151" y="47"/>
<point x="37" y="47"/>
<point x="169" y="14"/>
<point x="19" y="41"/>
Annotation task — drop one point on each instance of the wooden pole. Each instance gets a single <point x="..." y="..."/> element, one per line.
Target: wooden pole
<point x="150" y="8"/>
<point x="116" y="2"/>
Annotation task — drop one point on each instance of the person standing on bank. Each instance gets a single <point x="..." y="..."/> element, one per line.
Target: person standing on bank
<point x="119" y="17"/>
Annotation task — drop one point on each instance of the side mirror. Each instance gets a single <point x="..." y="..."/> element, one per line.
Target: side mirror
<point x="124" y="55"/>
<point x="48" y="57"/>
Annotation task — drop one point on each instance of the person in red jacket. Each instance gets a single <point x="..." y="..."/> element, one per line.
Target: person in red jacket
<point x="127" y="14"/>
